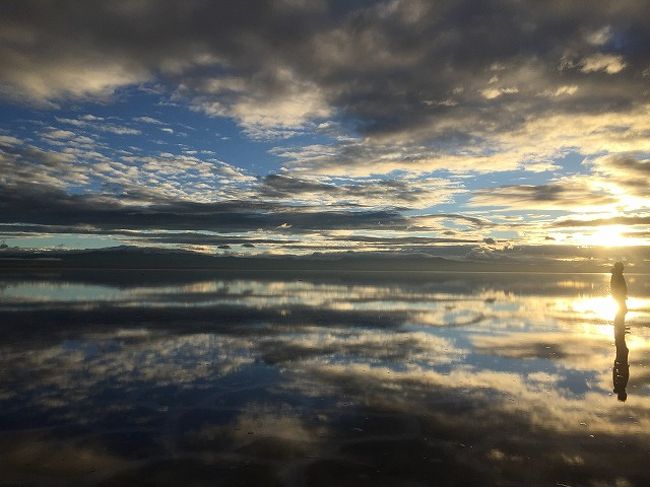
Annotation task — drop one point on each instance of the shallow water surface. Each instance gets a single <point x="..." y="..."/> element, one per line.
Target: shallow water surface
<point x="153" y="378"/>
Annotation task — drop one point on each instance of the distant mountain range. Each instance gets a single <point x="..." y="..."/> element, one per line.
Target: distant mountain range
<point x="126" y="257"/>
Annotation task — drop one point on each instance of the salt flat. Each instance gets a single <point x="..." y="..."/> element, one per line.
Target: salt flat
<point x="168" y="378"/>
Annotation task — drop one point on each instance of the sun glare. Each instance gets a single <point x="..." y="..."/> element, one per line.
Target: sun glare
<point x="608" y="236"/>
<point x="600" y="307"/>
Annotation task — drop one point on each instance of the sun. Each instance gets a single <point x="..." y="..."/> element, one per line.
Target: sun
<point x="607" y="236"/>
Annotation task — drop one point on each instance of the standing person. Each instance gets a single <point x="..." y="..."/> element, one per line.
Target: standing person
<point x="618" y="287"/>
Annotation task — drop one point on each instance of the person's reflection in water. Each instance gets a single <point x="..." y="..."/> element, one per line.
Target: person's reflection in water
<point x="621" y="369"/>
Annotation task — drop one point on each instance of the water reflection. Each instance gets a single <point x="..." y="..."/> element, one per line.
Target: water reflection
<point x="621" y="369"/>
<point x="321" y="379"/>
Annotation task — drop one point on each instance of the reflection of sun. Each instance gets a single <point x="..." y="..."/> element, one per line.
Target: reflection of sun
<point x="603" y="307"/>
<point x="600" y="308"/>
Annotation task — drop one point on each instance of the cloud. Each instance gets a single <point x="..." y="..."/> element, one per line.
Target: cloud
<point x="58" y="134"/>
<point x="8" y="140"/>
<point x="119" y="130"/>
<point x="147" y="119"/>
<point x="366" y="158"/>
<point x="492" y="93"/>
<point x="616" y="220"/>
<point x="125" y="179"/>
<point x="363" y="192"/>
<point x="600" y="36"/>
<point x="402" y="241"/>
<point x="365" y="114"/>
<point x="566" y="90"/>
<point x="626" y="172"/>
<point x="45" y="82"/>
<point x="365" y="63"/>
<point x="151" y="208"/>
<point x="274" y="105"/>
<point x="99" y="124"/>
<point x="609" y="63"/>
<point x="423" y="221"/>
<point x="568" y="193"/>
<point x="79" y="189"/>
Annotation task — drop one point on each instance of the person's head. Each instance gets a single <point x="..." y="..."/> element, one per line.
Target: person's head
<point x="618" y="268"/>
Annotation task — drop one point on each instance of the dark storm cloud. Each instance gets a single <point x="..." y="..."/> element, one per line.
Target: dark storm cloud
<point x="34" y="204"/>
<point x="149" y="236"/>
<point x="387" y="68"/>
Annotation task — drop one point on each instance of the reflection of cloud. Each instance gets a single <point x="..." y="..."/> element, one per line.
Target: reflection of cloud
<point x="375" y="347"/>
<point x="63" y="376"/>
<point x="280" y="383"/>
<point x="58" y="461"/>
<point x="578" y="351"/>
<point x="266" y="421"/>
<point x="540" y="403"/>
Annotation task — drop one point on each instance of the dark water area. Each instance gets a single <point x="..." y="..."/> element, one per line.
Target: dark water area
<point x="319" y="379"/>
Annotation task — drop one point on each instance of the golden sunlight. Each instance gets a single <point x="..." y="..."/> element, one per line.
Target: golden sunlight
<point x="607" y="236"/>
<point x="600" y="307"/>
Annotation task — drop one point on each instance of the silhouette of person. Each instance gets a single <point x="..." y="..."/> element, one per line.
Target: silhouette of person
<point x="618" y="287"/>
<point x="621" y="368"/>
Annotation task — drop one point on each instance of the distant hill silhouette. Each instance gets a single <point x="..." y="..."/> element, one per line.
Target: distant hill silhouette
<point x="126" y="257"/>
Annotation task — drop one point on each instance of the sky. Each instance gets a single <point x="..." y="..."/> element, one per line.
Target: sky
<point x="455" y="128"/>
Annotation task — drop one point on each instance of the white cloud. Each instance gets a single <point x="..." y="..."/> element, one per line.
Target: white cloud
<point x="566" y="90"/>
<point x="8" y="140"/>
<point x="119" y="130"/>
<point x="58" y="134"/>
<point x="98" y="123"/>
<point x="610" y="63"/>
<point x="150" y="120"/>
<point x="47" y="82"/>
<point x="492" y="93"/>
<point x="263" y="115"/>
